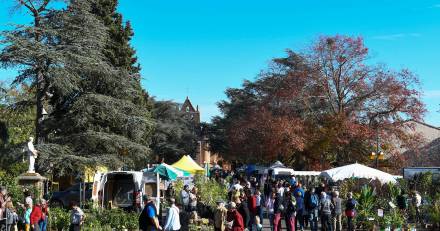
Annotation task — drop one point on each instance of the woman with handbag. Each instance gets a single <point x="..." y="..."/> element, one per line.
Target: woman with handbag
<point x="234" y="220"/>
<point x="350" y="211"/>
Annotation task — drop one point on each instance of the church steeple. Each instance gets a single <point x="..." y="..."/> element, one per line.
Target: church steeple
<point x="191" y="112"/>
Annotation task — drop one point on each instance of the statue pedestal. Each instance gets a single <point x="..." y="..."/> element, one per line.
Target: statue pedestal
<point x="33" y="180"/>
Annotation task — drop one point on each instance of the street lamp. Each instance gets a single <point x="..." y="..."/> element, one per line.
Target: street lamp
<point x="378" y="155"/>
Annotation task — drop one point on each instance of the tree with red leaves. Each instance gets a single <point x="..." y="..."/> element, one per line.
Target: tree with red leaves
<point x="322" y="107"/>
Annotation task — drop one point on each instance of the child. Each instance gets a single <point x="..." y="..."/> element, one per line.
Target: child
<point x="12" y="217"/>
<point x="27" y="218"/>
<point x="258" y="225"/>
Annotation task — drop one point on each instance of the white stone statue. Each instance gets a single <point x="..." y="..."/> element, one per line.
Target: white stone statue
<point x="32" y="154"/>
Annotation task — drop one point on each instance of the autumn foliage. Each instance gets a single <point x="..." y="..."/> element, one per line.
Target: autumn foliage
<point x="322" y="107"/>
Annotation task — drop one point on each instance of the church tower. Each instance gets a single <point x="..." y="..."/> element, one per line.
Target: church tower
<point x="191" y="113"/>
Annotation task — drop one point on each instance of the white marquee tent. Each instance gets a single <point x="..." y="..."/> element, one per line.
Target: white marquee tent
<point x="357" y="171"/>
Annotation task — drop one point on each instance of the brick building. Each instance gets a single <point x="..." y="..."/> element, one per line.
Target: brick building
<point x="203" y="154"/>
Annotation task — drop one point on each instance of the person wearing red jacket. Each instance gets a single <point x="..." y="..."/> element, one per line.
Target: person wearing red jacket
<point x="36" y="216"/>
<point x="234" y="217"/>
<point x="252" y="205"/>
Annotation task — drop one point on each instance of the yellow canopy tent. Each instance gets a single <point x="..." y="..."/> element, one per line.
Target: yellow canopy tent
<point x="188" y="164"/>
<point x="89" y="172"/>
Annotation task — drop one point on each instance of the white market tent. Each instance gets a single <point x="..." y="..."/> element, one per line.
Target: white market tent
<point x="279" y="168"/>
<point x="357" y="171"/>
<point x="306" y="173"/>
<point x="277" y="164"/>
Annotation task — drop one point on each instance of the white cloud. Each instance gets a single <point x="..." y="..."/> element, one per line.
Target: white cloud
<point x="396" y="36"/>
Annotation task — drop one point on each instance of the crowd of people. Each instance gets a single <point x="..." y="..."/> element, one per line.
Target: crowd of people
<point x="249" y="204"/>
<point x="284" y="200"/>
<point x="32" y="214"/>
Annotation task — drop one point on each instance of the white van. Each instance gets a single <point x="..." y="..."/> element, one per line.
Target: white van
<point x="124" y="189"/>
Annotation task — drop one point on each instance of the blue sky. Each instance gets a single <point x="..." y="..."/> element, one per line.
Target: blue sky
<point x="200" y="48"/>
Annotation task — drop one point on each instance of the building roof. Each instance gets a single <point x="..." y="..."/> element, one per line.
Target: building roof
<point x="427" y="131"/>
<point x="187" y="106"/>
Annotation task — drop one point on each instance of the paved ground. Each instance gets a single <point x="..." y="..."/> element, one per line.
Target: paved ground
<point x="266" y="226"/>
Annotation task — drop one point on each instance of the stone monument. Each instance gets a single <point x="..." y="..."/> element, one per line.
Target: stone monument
<point x="31" y="178"/>
<point x="32" y="154"/>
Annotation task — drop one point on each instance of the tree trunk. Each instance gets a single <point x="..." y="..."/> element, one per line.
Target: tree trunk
<point x="39" y="104"/>
<point x="39" y="80"/>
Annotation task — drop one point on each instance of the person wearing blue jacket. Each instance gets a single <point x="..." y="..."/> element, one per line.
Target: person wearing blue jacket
<point x="298" y="188"/>
<point x="300" y="210"/>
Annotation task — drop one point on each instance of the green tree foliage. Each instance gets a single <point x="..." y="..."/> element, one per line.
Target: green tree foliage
<point x="8" y="180"/>
<point x="174" y="135"/>
<point x="30" y="49"/>
<point x="17" y="115"/>
<point x="100" y="118"/>
<point x="17" y="122"/>
<point x="117" y="51"/>
<point x="83" y="69"/>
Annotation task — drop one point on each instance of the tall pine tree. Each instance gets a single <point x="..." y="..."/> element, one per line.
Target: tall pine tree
<point x="117" y="50"/>
<point x="27" y="49"/>
<point x="101" y="120"/>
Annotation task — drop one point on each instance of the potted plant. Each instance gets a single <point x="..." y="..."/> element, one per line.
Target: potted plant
<point x="366" y="215"/>
<point x="434" y="214"/>
<point x="397" y="220"/>
<point x="385" y="223"/>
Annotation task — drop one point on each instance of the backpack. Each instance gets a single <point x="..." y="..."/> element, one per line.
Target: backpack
<point x="350" y="205"/>
<point x="327" y="206"/>
<point x="12" y="218"/>
<point x="76" y="217"/>
<point x="314" y="201"/>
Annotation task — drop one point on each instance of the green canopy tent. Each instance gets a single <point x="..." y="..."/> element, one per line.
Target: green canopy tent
<point x="168" y="172"/>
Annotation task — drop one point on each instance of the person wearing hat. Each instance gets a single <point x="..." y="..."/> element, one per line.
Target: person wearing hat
<point x="220" y="216"/>
<point x="173" y="220"/>
<point x="148" y="220"/>
<point x="234" y="219"/>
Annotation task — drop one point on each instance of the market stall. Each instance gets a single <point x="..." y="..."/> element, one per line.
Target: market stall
<point x="357" y="171"/>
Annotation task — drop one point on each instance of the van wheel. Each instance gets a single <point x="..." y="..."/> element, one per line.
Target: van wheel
<point x="56" y="204"/>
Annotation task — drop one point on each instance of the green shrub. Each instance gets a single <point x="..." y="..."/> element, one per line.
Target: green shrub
<point x="96" y="219"/>
<point x="59" y="219"/>
<point x="367" y="201"/>
<point x="210" y="190"/>
<point x="102" y="219"/>
<point x="397" y="219"/>
<point x="10" y="182"/>
<point x="178" y="187"/>
<point x="434" y="214"/>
